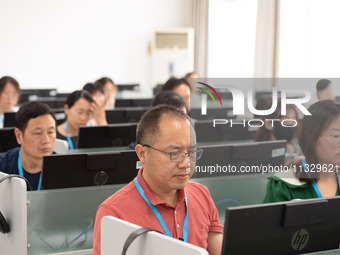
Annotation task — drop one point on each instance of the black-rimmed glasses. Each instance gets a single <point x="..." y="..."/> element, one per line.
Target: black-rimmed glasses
<point x="178" y="157"/>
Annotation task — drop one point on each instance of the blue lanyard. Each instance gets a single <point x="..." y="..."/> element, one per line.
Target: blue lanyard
<point x="1" y="118"/>
<point x="21" y="171"/>
<point x="315" y="186"/>
<point x="70" y="143"/>
<point x="159" y="217"/>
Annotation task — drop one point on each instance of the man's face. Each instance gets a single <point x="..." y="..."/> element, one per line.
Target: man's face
<point x="163" y="174"/>
<point x="39" y="136"/>
<point x="184" y="91"/>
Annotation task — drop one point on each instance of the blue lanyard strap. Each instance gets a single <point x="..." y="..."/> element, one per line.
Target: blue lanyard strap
<point x="315" y="186"/>
<point x="70" y="143"/>
<point x="21" y="171"/>
<point x="1" y="118"/>
<point x="158" y="215"/>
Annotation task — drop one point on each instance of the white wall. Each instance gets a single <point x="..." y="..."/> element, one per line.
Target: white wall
<point x="67" y="43"/>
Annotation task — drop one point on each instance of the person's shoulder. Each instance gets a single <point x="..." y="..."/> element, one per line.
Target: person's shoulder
<point x="289" y="179"/>
<point x="122" y="195"/>
<point x="8" y="160"/>
<point x="197" y="189"/>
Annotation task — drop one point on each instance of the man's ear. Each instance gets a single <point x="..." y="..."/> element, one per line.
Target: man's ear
<point x="18" y="135"/>
<point x="66" y="109"/>
<point x="141" y="153"/>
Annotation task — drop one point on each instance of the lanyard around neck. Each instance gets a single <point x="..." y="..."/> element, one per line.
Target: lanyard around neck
<point x="69" y="140"/>
<point x="2" y="118"/>
<point x="159" y="217"/>
<point x="315" y="186"/>
<point x="21" y="170"/>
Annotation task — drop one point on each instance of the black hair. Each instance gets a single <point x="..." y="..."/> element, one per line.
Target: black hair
<point x="174" y="82"/>
<point x="102" y="81"/>
<point x="93" y="88"/>
<point x="311" y="128"/>
<point x="7" y="79"/>
<point x="76" y="95"/>
<point x="170" y="98"/>
<point x="31" y="110"/>
<point x="322" y="84"/>
<point x="148" y="128"/>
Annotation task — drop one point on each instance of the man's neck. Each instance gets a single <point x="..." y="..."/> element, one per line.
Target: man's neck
<point x="170" y="197"/>
<point x="31" y="165"/>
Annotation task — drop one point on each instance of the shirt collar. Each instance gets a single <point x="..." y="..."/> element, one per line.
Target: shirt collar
<point x="153" y="198"/>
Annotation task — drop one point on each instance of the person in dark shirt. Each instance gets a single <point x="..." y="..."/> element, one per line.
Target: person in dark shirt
<point x="78" y="113"/>
<point x="36" y="133"/>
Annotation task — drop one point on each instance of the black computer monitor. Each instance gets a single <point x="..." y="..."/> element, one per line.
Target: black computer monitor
<point x="88" y="169"/>
<point x="212" y="113"/>
<point x="134" y="87"/>
<point x="9" y="119"/>
<point x="116" y="115"/>
<point x="282" y="228"/>
<point x="134" y="114"/>
<point x="206" y="132"/>
<point x="7" y="139"/>
<point x="33" y="94"/>
<point x="144" y="102"/>
<point x="240" y="159"/>
<point x="113" y="135"/>
<point x="53" y="102"/>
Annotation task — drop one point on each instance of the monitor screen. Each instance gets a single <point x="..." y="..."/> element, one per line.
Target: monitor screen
<point x="145" y="102"/>
<point x="88" y="169"/>
<point x="7" y="139"/>
<point x="212" y="113"/>
<point x="113" y="135"/>
<point x="9" y="119"/>
<point x="240" y="158"/>
<point x="33" y="94"/>
<point x="115" y="116"/>
<point x="206" y="132"/>
<point x="134" y="87"/>
<point x="282" y="228"/>
<point x="125" y="114"/>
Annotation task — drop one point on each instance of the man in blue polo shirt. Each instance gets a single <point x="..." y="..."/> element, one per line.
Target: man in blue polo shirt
<point x="36" y="132"/>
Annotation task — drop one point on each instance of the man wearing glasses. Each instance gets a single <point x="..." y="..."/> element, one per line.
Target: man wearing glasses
<point x="161" y="196"/>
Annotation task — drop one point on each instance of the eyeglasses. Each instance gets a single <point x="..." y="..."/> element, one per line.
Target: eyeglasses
<point x="178" y="157"/>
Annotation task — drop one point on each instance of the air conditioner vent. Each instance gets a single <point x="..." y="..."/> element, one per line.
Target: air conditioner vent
<point x="170" y="40"/>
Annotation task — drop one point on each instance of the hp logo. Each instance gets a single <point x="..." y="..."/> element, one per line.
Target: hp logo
<point x="300" y="239"/>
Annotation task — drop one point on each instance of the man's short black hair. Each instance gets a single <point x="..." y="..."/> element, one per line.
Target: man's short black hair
<point x="93" y="88"/>
<point x="173" y="83"/>
<point x="322" y="84"/>
<point x="31" y="110"/>
<point x="148" y="126"/>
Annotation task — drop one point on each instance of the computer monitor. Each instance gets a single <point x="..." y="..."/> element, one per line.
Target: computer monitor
<point x="9" y="119"/>
<point x="113" y="135"/>
<point x="212" y="113"/>
<point x="144" y="102"/>
<point x="53" y="102"/>
<point x="134" y="114"/>
<point x="7" y="139"/>
<point x="206" y="132"/>
<point x="282" y="228"/>
<point x="134" y="87"/>
<point x="240" y="158"/>
<point x="116" y="115"/>
<point x="33" y="94"/>
<point x="88" y="169"/>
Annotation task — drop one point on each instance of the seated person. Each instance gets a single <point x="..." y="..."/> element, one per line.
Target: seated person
<point x="35" y="131"/>
<point x="110" y="91"/>
<point x="9" y="96"/>
<point x="274" y="130"/>
<point x="167" y="148"/>
<point x="98" y="107"/>
<point x="324" y="90"/>
<point x="78" y="113"/>
<point x="179" y="86"/>
<point x="169" y="98"/>
<point x="315" y="176"/>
